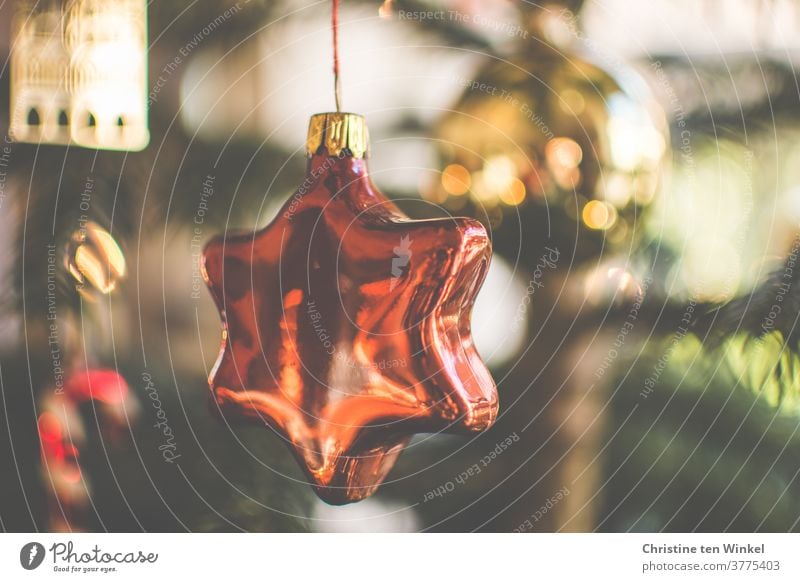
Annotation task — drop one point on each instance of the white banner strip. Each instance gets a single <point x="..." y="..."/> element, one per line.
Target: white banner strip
<point x="356" y="557"/>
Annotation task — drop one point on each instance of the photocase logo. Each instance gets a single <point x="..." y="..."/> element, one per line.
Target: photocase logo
<point x="31" y="555"/>
<point x="402" y="254"/>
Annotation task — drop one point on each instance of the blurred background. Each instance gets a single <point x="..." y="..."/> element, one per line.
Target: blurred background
<point x="637" y="165"/>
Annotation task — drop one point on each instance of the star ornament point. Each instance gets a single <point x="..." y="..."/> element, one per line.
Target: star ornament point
<point x="346" y="328"/>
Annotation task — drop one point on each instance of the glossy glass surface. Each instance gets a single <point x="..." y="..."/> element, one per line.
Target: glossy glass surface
<point x="347" y="328"/>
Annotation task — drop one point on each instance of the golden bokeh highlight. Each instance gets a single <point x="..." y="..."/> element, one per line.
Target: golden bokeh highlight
<point x="515" y="194"/>
<point x="599" y="215"/>
<point x="563" y="153"/>
<point x="563" y="156"/>
<point x="618" y="189"/>
<point x="481" y="191"/>
<point x="456" y="180"/>
<point x="498" y="174"/>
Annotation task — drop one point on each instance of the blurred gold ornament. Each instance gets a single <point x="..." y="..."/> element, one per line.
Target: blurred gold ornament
<point x="95" y="261"/>
<point x="548" y="127"/>
<point x="79" y="73"/>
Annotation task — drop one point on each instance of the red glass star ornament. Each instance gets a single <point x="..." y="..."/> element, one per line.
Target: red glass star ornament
<point x="347" y="324"/>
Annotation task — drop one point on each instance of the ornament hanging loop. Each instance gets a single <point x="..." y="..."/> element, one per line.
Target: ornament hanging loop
<point x="337" y="83"/>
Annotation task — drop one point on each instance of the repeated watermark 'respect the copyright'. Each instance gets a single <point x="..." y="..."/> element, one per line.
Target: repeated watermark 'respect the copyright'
<point x="527" y="110"/>
<point x="168" y="70"/>
<point x="472" y="471"/>
<point x="551" y="502"/>
<point x="5" y="162"/>
<point x="505" y="27"/>
<point x="196" y="243"/>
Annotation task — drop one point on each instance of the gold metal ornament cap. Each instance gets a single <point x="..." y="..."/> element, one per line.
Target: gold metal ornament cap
<point x="338" y="134"/>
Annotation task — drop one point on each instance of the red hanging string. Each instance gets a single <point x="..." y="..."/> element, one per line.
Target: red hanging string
<point x="337" y="87"/>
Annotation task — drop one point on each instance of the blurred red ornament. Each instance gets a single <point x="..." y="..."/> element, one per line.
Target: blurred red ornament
<point x="104" y="386"/>
<point x="112" y="398"/>
<point x="58" y="451"/>
<point x="347" y="324"/>
<point x="61" y="434"/>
